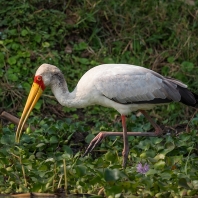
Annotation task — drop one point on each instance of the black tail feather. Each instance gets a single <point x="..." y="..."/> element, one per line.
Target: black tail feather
<point x="187" y="97"/>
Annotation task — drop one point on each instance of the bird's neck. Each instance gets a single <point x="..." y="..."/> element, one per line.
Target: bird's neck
<point x="60" y="90"/>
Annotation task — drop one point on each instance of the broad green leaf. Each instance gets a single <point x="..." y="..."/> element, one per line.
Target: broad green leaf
<point x="111" y="175"/>
<point x="151" y="172"/>
<point x="195" y="184"/>
<point x="37" y="38"/>
<point x="110" y="156"/>
<point x="187" y="66"/>
<point x="89" y="138"/>
<point x="54" y="140"/>
<point x="159" y="165"/>
<point x="39" y="154"/>
<point x="159" y="156"/>
<point x="12" y="60"/>
<point x="40" y="145"/>
<point x="45" y="44"/>
<point x="43" y="167"/>
<point x="67" y="150"/>
<point x="81" y="170"/>
<point x="24" y="32"/>
<point x="183" y="183"/>
<point x="169" y="146"/>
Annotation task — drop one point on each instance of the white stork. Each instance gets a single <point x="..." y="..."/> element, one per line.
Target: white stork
<point x="126" y="88"/>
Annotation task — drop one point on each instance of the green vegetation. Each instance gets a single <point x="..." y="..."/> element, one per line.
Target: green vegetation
<point x="75" y="36"/>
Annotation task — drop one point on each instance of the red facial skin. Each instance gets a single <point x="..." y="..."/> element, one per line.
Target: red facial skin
<point x="38" y="80"/>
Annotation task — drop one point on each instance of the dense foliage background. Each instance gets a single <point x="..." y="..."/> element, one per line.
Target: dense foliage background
<point x="76" y="35"/>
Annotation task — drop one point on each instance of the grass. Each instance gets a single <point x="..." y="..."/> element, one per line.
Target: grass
<point x="76" y="36"/>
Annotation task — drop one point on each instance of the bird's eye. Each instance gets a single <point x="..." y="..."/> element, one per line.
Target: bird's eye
<point x="39" y="78"/>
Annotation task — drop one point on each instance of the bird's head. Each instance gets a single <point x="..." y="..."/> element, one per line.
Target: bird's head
<point x="43" y="78"/>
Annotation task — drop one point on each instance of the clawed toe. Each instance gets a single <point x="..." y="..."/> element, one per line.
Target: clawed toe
<point x="95" y="142"/>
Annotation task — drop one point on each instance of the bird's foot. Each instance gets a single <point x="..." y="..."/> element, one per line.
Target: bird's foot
<point x="95" y="142"/>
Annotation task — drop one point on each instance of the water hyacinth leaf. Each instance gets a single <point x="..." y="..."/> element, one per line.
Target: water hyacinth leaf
<point x="111" y="175"/>
<point x="54" y="140"/>
<point x="195" y="184"/>
<point x="80" y="46"/>
<point x="39" y="154"/>
<point x="67" y="150"/>
<point x="187" y="66"/>
<point x="169" y="147"/>
<point x="172" y="160"/>
<point x="12" y="60"/>
<point x="89" y="138"/>
<point x="40" y="145"/>
<point x="24" y="32"/>
<point x="114" y="190"/>
<point x="156" y="140"/>
<point x="152" y="172"/>
<point x="43" y="167"/>
<point x="45" y="44"/>
<point x="159" y="156"/>
<point x="7" y="139"/>
<point x="144" y="145"/>
<point x="38" y="105"/>
<point x="150" y="153"/>
<point x="37" y="38"/>
<point x="81" y="170"/>
<point x="110" y="156"/>
<point x="183" y="183"/>
<point x="166" y="175"/>
<point x="143" y="155"/>
<point x="159" y="165"/>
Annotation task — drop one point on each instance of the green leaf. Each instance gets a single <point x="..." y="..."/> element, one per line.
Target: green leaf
<point x="110" y="156"/>
<point x="38" y="105"/>
<point x="43" y="167"/>
<point x="24" y="32"/>
<point x="53" y="140"/>
<point x="84" y="61"/>
<point x="37" y="38"/>
<point x="159" y="165"/>
<point x="169" y="146"/>
<point x="7" y="139"/>
<point x="40" y="145"/>
<point x="187" y="66"/>
<point x="183" y="183"/>
<point x="45" y="44"/>
<point x="111" y="175"/>
<point x="67" y="150"/>
<point x="159" y="156"/>
<point x="89" y="138"/>
<point x="195" y="184"/>
<point x="12" y="60"/>
<point x="81" y="170"/>
<point x="151" y="172"/>
<point x="80" y="46"/>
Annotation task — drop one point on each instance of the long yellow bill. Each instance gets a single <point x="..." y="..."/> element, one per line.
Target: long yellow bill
<point x="33" y="97"/>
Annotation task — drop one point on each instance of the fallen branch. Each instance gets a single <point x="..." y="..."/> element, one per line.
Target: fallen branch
<point x="7" y="116"/>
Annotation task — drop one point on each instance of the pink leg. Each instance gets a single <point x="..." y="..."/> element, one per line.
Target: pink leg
<point x="125" y="151"/>
<point x="102" y="135"/>
<point x="157" y="128"/>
